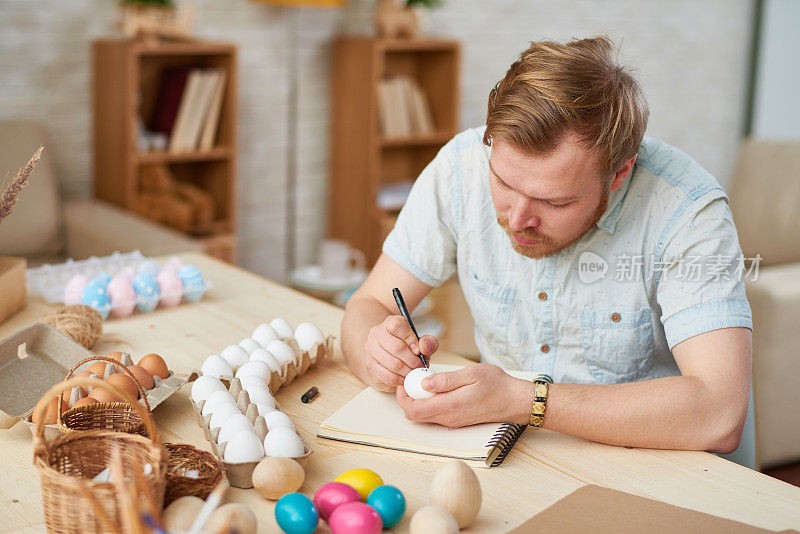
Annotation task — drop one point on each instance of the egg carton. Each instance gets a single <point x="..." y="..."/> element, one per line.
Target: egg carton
<point x="304" y="361"/>
<point x="49" y="281"/>
<point x="162" y="389"/>
<point x="240" y="475"/>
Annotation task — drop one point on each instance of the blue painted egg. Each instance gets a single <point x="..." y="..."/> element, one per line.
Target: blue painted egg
<point x="96" y="296"/>
<point x="102" y="278"/>
<point x="146" y="287"/>
<point x="296" y="514"/>
<point x="390" y="504"/>
<point x="193" y="284"/>
<point x="149" y="266"/>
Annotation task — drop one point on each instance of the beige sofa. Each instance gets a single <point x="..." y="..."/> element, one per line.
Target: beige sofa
<point x="46" y="229"/>
<point x="765" y="200"/>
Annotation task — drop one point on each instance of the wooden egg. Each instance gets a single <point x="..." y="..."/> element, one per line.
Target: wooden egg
<point x="155" y="365"/>
<point x="144" y="378"/>
<point x="432" y="519"/>
<point x="456" y="488"/>
<point x="232" y="517"/>
<point x="181" y="513"/>
<point x="275" y="477"/>
<point x="123" y="382"/>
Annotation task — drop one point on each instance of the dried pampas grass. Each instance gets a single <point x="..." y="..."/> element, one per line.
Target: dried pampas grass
<point x="9" y="196"/>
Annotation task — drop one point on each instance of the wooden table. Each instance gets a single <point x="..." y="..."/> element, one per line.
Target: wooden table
<point x="543" y="467"/>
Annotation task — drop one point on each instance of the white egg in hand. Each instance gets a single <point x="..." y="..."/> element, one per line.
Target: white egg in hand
<point x="249" y="344"/>
<point x="217" y="366"/>
<point x="283" y="442"/>
<point x="204" y="386"/>
<point x="215" y="400"/>
<point x="278" y="419"/>
<point x="281" y="327"/>
<point x="264" y="334"/>
<point x="221" y="414"/>
<point x="233" y="426"/>
<point x="282" y="352"/>
<point x="254" y="368"/>
<point x="267" y="357"/>
<point x="243" y="447"/>
<point x="235" y="355"/>
<point x="308" y="335"/>
<point x="413" y="383"/>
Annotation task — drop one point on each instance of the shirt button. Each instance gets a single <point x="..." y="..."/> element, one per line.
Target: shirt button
<point x="542" y="295"/>
<point x="545" y="348"/>
<point x="616" y="317"/>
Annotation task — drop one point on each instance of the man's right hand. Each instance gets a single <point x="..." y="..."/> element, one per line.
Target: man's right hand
<point x="391" y="352"/>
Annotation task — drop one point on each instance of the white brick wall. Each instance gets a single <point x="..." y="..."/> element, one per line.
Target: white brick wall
<point x="691" y="57"/>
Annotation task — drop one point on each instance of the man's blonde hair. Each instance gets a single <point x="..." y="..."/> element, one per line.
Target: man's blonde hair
<point x="555" y="89"/>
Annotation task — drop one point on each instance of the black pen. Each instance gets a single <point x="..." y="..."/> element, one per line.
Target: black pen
<point x="401" y="305"/>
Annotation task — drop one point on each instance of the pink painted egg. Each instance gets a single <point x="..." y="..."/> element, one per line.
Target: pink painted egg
<point x="73" y="291"/>
<point x="128" y="273"/>
<point x="355" y="518"/>
<point x="174" y="264"/>
<point x="169" y="287"/>
<point x="332" y="495"/>
<point x="122" y="296"/>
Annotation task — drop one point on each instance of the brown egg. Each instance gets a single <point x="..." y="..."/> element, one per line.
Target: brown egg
<point x="86" y="401"/>
<point x="99" y="368"/>
<point x="144" y="378"/>
<point x="50" y="414"/>
<point x="103" y="395"/>
<point x="155" y="365"/>
<point x="115" y="355"/>
<point x="83" y="374"/>
<point x="121" y="381"/>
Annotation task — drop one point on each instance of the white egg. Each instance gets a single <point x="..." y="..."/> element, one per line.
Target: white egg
<point x="413" y="383"/>
<point x="251" y="381"/>
<point x="235" y="355"/>
<point x="277" y="419"/>
<point x="217" y="366"/>
<point x="204" y="386"/>
<point x="308" y="335"/>
<point x="249" y="344"/>
<point x="232" y="426"/>
<point x="221" y="414"/>
<point x="283" y="442"/>
<point x="264" y="334"/>
<point x="264" y="409"/>
<point x="254" y="368"/>
<point x="282" y="352"/>
<point x="243" y="447"/>
<point x="281" y="327"/>
<point x="215" y="400"/>
<point x="267" y="357"/>
<point x="260" y="395"/>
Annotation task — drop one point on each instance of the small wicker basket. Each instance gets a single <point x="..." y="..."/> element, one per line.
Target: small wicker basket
<point x="117" y="416"/>
<point x="184" y="457"/>
<point x="75" y="503"/>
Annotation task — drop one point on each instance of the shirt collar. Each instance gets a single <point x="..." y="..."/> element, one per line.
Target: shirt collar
<point x="608" y="221"/>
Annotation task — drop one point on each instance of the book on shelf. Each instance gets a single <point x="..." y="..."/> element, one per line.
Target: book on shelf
<point x="212" y="121"/>
<point x="404" y="109"/>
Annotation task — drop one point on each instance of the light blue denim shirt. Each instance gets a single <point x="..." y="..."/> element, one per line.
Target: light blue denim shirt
<point x="662" y="265"/>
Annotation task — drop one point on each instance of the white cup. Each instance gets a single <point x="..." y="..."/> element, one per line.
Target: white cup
<point x="338" y="259"/>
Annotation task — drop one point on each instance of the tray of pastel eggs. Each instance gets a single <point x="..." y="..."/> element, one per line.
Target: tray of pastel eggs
<point x="274" y="352"/>
<point x="118" y="284"/>
<point x="244" y="425"/>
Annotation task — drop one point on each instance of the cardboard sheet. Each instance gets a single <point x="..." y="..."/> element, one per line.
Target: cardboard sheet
<point x="599" y="510"/>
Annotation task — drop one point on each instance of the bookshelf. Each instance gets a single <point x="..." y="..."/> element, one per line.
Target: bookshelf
<point x="363" y="159"/>
<point x="127" y="77"/>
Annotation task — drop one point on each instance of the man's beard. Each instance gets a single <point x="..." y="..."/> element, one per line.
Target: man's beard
<point x="547" y="245"/>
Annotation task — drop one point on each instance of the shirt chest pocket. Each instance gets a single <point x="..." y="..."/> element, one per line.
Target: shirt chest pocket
<point x="617" y="344"/>
<point x="490" y="306"/>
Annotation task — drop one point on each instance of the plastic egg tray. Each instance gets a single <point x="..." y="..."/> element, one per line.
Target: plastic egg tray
<point x="240" y="475"/>
<point x="49" y="281"/>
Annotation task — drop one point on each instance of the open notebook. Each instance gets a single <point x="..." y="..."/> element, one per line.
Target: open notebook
<point x="374" y="418"/>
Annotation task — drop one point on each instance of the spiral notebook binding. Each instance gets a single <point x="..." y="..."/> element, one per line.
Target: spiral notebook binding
<point x="502" y="442"/>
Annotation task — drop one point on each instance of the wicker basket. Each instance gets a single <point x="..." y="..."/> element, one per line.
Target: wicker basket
<point x="183" y="456"/>
<point x="75" y="503"/>
<point x="117" y="416"/>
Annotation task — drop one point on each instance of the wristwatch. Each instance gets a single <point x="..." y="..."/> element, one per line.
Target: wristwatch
<point x="541" y="385"/>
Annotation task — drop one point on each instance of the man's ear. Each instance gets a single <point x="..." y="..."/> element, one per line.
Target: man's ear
<point x="620" y="175"/>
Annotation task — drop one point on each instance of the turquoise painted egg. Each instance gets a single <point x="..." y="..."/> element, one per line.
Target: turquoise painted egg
<point x="390" y="504"/>
<point x="296" y="514"/>
<point x="146" y="287"/>
<point x="193" y="284"/>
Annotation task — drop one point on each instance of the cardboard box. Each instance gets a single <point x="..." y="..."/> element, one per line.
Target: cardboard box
<point x="13" y="294"/>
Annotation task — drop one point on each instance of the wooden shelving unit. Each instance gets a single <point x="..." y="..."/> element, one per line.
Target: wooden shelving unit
<point x="126" y="81"/>
<point x="362" y="159"/>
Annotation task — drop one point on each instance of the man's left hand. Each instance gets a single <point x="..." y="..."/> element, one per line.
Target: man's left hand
<point x="480" y="393"/>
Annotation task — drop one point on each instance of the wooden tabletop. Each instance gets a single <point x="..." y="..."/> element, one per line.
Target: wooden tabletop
<point x="543" y="467"/>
